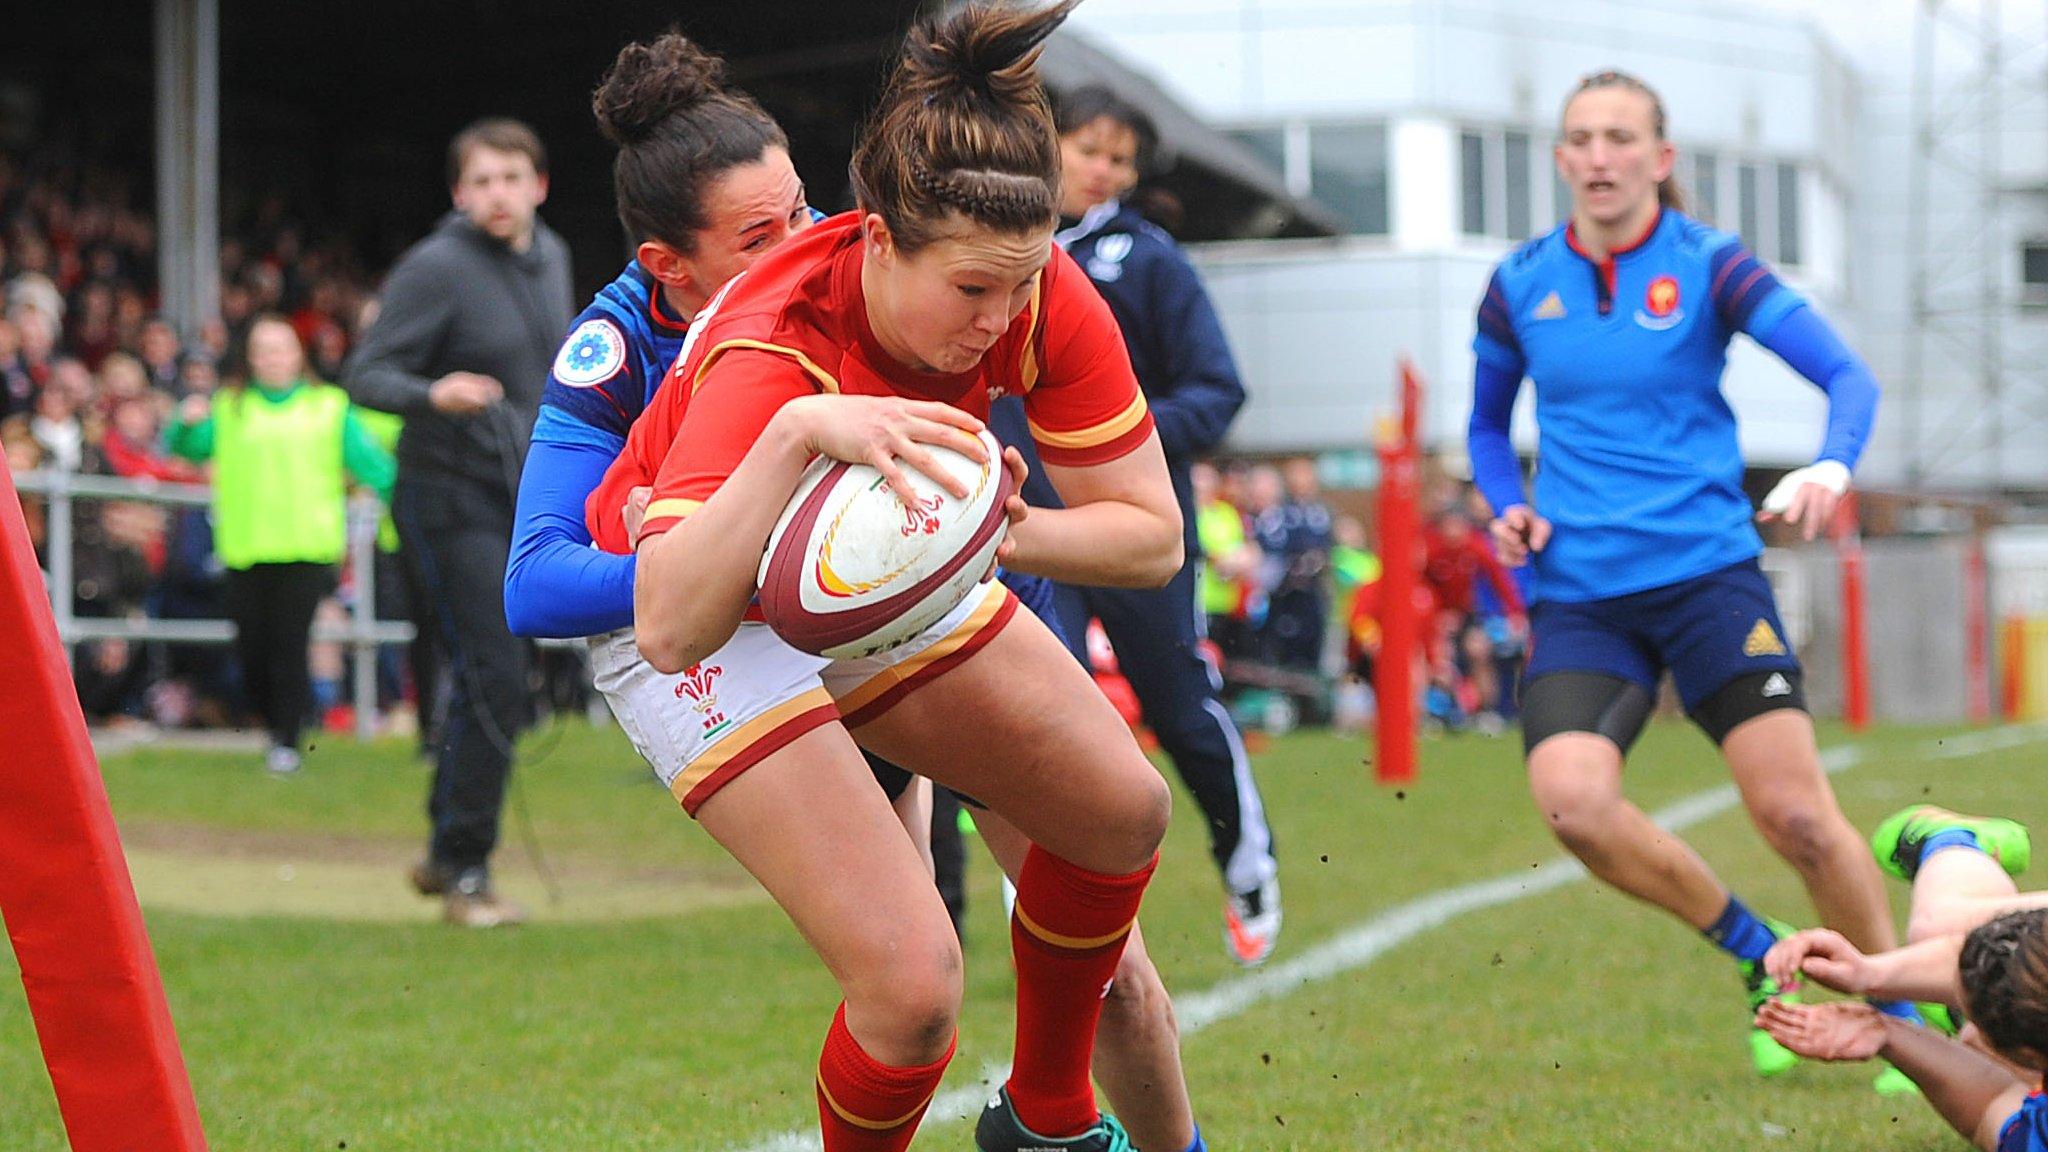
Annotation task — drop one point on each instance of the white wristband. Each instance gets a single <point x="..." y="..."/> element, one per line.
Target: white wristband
<point x="1832" y="475"/>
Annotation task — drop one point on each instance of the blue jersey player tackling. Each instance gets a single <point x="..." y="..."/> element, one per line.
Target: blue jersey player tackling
<point x="1640" y="535"/>
<point x="705" y="188"/>
<point x="622" y="344"/>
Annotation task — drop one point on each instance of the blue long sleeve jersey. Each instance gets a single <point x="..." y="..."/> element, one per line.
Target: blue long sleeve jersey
<point x="556" y="583"/>
<point x="1639" y="471"/>
<point x="1177" y="348"/>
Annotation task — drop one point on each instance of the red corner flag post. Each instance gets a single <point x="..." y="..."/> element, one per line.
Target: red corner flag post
<point x="70" y="909"/>
<point x="1855" y="657"/>
<point x="1976" y="630"/>
<point x="1400" y="522"/>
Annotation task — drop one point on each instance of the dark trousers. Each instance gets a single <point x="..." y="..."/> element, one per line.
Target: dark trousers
<point x="456" y="541"/>
<point x="395" y="598"/>
<point x="1295" y="621"/>
<point x="272" y="606"/>
<point x="1156" y="633"/>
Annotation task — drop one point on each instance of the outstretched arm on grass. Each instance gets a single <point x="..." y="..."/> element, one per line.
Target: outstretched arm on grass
<point x="1926" y="971"/>
<point x="1974" y="1093"/>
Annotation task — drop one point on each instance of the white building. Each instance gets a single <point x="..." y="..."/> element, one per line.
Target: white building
<point x="1427" y="124"/>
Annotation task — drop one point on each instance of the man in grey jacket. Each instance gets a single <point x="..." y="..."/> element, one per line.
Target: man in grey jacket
<point x="469" y="323"/>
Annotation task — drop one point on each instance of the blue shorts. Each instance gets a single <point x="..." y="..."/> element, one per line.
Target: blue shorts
<point x="1035" y="593"/>
<point x="1707" y="631"/>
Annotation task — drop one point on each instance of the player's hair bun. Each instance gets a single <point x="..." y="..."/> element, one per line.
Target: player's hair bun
<point x="666" y="106"/>
<point x="988" y="49"/>
<point x="650" y="82"/>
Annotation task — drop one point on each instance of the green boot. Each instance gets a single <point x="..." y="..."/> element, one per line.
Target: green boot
<point x="1768" y="1056"/>
<point x="1899" y="841"/>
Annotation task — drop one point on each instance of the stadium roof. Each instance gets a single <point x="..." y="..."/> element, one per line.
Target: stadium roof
<point x="348" y="108"/>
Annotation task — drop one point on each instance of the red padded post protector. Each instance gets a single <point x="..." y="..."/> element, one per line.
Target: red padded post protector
<point x="70" y="908"/>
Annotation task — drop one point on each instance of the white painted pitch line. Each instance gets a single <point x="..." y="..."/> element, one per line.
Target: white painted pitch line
<point x="1363" y="943"/>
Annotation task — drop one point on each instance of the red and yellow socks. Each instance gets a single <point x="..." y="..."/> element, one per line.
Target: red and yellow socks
<point x="1067" y="933"/>
<point x="865" y="1105"/>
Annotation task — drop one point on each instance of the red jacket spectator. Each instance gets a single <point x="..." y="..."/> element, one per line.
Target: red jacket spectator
<point x="130" y="447"/>
<point x="1453" y="556"/>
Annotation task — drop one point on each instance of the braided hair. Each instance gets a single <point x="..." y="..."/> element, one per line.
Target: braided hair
<point x="2005" y="980"/>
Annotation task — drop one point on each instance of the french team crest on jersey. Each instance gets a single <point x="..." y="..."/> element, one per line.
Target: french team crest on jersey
<point x="594" y="353"/>
<point x="1660" y="309"/>
<point x="1552" y="308"/>
<point x="1107" y="261"/>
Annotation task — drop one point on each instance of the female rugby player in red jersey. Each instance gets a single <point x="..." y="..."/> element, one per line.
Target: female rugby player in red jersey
<point x="866" y="339"/>
<point x="705" y="183"/>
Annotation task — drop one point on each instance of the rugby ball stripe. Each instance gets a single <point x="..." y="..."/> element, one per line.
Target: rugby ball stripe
<point x="843" y="512"/>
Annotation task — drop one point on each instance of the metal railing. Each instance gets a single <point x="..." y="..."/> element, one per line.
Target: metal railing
<point x="363" y="634"/>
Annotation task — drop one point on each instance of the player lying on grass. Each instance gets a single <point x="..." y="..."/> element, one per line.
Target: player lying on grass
<point x="1978" y="945"/>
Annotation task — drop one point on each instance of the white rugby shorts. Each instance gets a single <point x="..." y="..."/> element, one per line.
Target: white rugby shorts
<point x="701" y="727"/>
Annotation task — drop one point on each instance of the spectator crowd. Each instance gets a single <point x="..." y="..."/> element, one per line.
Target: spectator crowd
<point x="91" y="377"/>
<point x="1293" y="596"/>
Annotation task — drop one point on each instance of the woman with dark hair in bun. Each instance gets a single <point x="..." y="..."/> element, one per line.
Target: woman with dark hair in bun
<point x="870" y="337"/>
<point x="690" y="149"/>
<point x="705" y="187"/>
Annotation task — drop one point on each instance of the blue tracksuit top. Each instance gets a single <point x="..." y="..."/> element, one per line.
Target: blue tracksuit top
<point x="1639" y="472"/>
<point x="1176" y="344"/>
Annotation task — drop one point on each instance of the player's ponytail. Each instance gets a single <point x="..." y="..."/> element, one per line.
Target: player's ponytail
<point x="964" y="128"/>
<point x="678" y="127"/>
<point x="2004" y="969"/>
<point x="1669" y="194"/>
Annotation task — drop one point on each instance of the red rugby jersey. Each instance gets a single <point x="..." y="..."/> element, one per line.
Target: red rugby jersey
<point x="796" y="324"/>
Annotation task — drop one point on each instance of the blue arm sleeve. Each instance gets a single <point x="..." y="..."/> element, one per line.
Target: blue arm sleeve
<point x="1497" y="374"/>
<point x="1495" y="468"/>
<point x="1200" y="392"/>
<point x="556" y="584"/>
<point x="1805" y="341"/>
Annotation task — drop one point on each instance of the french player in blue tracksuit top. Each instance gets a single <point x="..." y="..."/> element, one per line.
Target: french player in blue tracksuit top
<point x="1640" y="535"/>
<point x="1192" y="386"/>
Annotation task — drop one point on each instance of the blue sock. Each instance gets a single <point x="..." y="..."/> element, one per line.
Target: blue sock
<point x="1903" y="1009"/>
<point x="1198" y="1145"/>
<point x="1948" y="838"/>
<point x="1740" y="932"/>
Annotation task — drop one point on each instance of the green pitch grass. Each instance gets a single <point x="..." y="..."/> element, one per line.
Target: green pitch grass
<point x="663" y="1004"/>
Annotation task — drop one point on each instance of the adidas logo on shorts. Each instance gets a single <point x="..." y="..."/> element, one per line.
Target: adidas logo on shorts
<point x="1763" y="641"/>
<point x="1777" y="685"/>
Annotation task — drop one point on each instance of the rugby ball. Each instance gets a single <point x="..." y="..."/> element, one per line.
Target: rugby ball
<point x="851" y="571"/>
